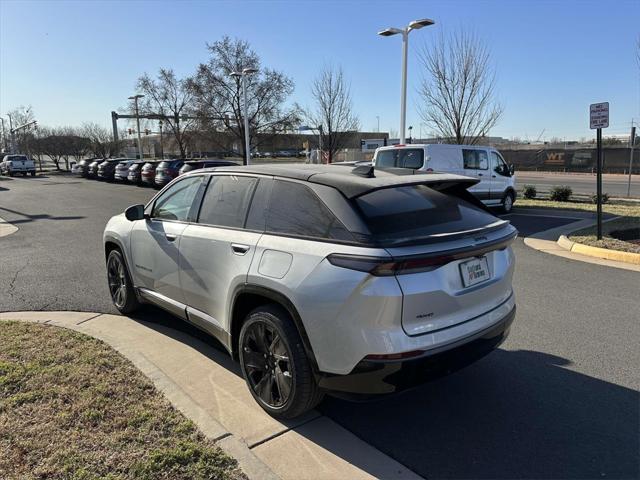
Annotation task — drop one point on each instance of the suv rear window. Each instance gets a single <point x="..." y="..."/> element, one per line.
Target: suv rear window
<point x="294" y="209"/>
<point x="412" y="212"/>
<point x="400" y="158"/>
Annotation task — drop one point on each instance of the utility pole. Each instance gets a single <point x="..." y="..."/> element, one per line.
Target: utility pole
<point x="245" y="110"/>
<point x="135" y="101"/>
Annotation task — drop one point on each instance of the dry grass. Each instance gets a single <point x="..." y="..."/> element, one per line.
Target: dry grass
<point x="628" y="211"/>
<point x="73" y="408"/>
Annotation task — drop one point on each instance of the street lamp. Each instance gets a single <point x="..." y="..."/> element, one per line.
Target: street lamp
<point x="319" y="129"/>
<point x="415" y="25"/>
<point x="161" y="144"/>
<point x="135" y="101"/>
<point x="243" y="74"/>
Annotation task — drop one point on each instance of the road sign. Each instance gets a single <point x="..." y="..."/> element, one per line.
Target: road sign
<point x="599" y="115"/>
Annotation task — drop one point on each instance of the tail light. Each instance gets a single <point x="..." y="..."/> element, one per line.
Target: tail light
<point x="387" y="266"/>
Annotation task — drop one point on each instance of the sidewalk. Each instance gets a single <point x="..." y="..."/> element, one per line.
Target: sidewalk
<point x="206" y="385"/>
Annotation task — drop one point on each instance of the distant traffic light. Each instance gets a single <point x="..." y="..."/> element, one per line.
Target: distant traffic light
<point x="130" y="131"/>
<point x="147" y="131"/>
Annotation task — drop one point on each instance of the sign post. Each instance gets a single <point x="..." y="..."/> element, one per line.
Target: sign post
<point x="599" y="119"/>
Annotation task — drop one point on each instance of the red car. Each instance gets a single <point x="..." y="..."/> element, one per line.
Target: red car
<point x="148" y="173"/>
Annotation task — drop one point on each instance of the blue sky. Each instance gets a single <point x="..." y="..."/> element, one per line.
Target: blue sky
<point x="76" y="61"/>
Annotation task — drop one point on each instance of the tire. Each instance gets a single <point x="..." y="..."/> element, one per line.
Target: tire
<point x="10" y="173"/>
<point x="283" y="388"/>
<point x="507" y="203"/>
<point x="24" y="174"/>
<point x="121" y="288"/>
<point x="33" y="174"/>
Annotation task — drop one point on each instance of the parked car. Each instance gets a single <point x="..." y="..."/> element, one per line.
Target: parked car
<point x="133" y="174"/>
<point x="197" y="164"/>
<point x="82" y="166"/>
<point x="322" y="278"/>
<point x="148" y="173"/>
<point x="166" y="171"/>
<point x="92" y="170"/>
<point x="496" y="180"/>
<point x="13" y="164"/>
<point x="107" y="169"/>
<point x="121" y="171"/>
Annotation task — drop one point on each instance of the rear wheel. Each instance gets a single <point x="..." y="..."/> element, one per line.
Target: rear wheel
<point x="507" y="203"/>
<point x="275" y="365"/>
<point x="33" y="174"/>
<point x="120" y="285"/>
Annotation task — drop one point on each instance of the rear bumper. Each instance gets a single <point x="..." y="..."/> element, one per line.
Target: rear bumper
<point x="375" y="377"/>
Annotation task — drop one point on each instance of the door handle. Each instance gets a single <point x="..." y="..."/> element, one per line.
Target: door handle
<point x="170" y="237"/>
<point x="239" y="249"/>
<point x="493" y="176"/>
<point x="479" y="174"/>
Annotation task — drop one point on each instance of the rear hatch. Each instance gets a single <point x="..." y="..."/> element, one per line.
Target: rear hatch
<point x="18" y="163"/>
<point x="450" y="254"/>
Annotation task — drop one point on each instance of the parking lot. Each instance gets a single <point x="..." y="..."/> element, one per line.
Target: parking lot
<point x="558" y="400"/>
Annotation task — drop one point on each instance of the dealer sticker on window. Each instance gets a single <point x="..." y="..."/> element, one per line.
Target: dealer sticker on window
<point x="474" y="271"/>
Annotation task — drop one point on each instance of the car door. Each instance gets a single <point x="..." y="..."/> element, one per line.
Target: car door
<point x="476" y="164"/>
<point x="155" y="242"/>
<point x="217" y="250"/>
<point x="500" y="176"/>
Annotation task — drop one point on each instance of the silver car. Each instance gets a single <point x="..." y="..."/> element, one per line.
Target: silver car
<point x="321" y="278"/>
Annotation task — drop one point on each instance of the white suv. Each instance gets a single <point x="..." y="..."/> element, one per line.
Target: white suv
<point x="321" y="278"/>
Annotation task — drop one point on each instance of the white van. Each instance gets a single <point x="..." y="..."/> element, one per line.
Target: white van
<point x="497" y="180"/>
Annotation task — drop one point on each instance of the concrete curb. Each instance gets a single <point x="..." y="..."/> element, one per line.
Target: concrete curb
<point x="204" y="384"/>
<point x="555" y="242"/>
<point x="598" y="252"/>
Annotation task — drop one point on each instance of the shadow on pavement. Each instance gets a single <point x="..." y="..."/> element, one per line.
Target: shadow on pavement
<point x="515" y="414"/>
<point x="42" y="216"/>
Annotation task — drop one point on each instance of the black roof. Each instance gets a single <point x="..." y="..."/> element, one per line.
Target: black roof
<point x="344" y="179"/>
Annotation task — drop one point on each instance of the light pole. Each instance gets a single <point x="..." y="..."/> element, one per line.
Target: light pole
<point x="415" y="25"/>
<point x="243" y="75"/>
<point x="378" y="118"/>
<point x="135" y="101"/>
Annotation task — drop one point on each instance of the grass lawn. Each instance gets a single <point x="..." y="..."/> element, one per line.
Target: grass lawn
<point x="628" y="211"/>
<point x="71" y="407"/>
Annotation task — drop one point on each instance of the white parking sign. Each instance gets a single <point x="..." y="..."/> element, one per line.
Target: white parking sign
<point x="599" y="115"/>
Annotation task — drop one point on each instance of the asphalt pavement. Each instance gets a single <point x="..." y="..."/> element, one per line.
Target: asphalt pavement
<point x="581" y="183"/>
<point x="559" y="399"/>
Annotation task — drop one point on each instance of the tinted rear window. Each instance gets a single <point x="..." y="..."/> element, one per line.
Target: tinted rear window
<point x="403" y="213"/>
<point x="400" y="158"/>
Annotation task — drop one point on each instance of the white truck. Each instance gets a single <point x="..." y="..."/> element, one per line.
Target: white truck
<point x="17" y="163"/>
<point x="496" y="186"/>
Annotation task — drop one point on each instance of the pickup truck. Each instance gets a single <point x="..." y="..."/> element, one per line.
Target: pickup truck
<point x="12" y="164"/>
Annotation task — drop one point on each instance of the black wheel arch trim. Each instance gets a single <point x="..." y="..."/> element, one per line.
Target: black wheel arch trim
<point x="287" y="304"/>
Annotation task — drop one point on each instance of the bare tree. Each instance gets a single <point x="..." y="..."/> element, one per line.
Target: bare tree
<point x="333" y="109"/>
<point x="457" y="91"/>
<point x="218" y="95"/>
<point x="169" y="96"/>
<point x="101" y="143"/>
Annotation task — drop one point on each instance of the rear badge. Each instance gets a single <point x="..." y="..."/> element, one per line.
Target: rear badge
<point x="425" y="315"/>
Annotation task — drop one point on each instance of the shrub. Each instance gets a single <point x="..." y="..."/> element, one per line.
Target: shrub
<point x="605" y="198"/>
<point x="529" y="191"/>
<point x="561" y="193"/>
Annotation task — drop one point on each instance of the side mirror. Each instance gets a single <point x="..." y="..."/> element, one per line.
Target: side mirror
<point x="512" y="169"/>
<point x="134" y="212"/>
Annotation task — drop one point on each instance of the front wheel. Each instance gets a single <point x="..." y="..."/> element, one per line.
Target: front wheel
<point x="120" y="285"/>
<point x="275" y="365"/>
<point x="507" y="203"/>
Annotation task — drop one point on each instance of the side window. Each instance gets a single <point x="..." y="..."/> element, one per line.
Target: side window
<point x="295" y="209"/>
<point x="176" y="202"/>
<point x="226" y="201"/>
<point x="410" y="158"/>
<point x="475" y="159"/>
<point x="499" y="165"/>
